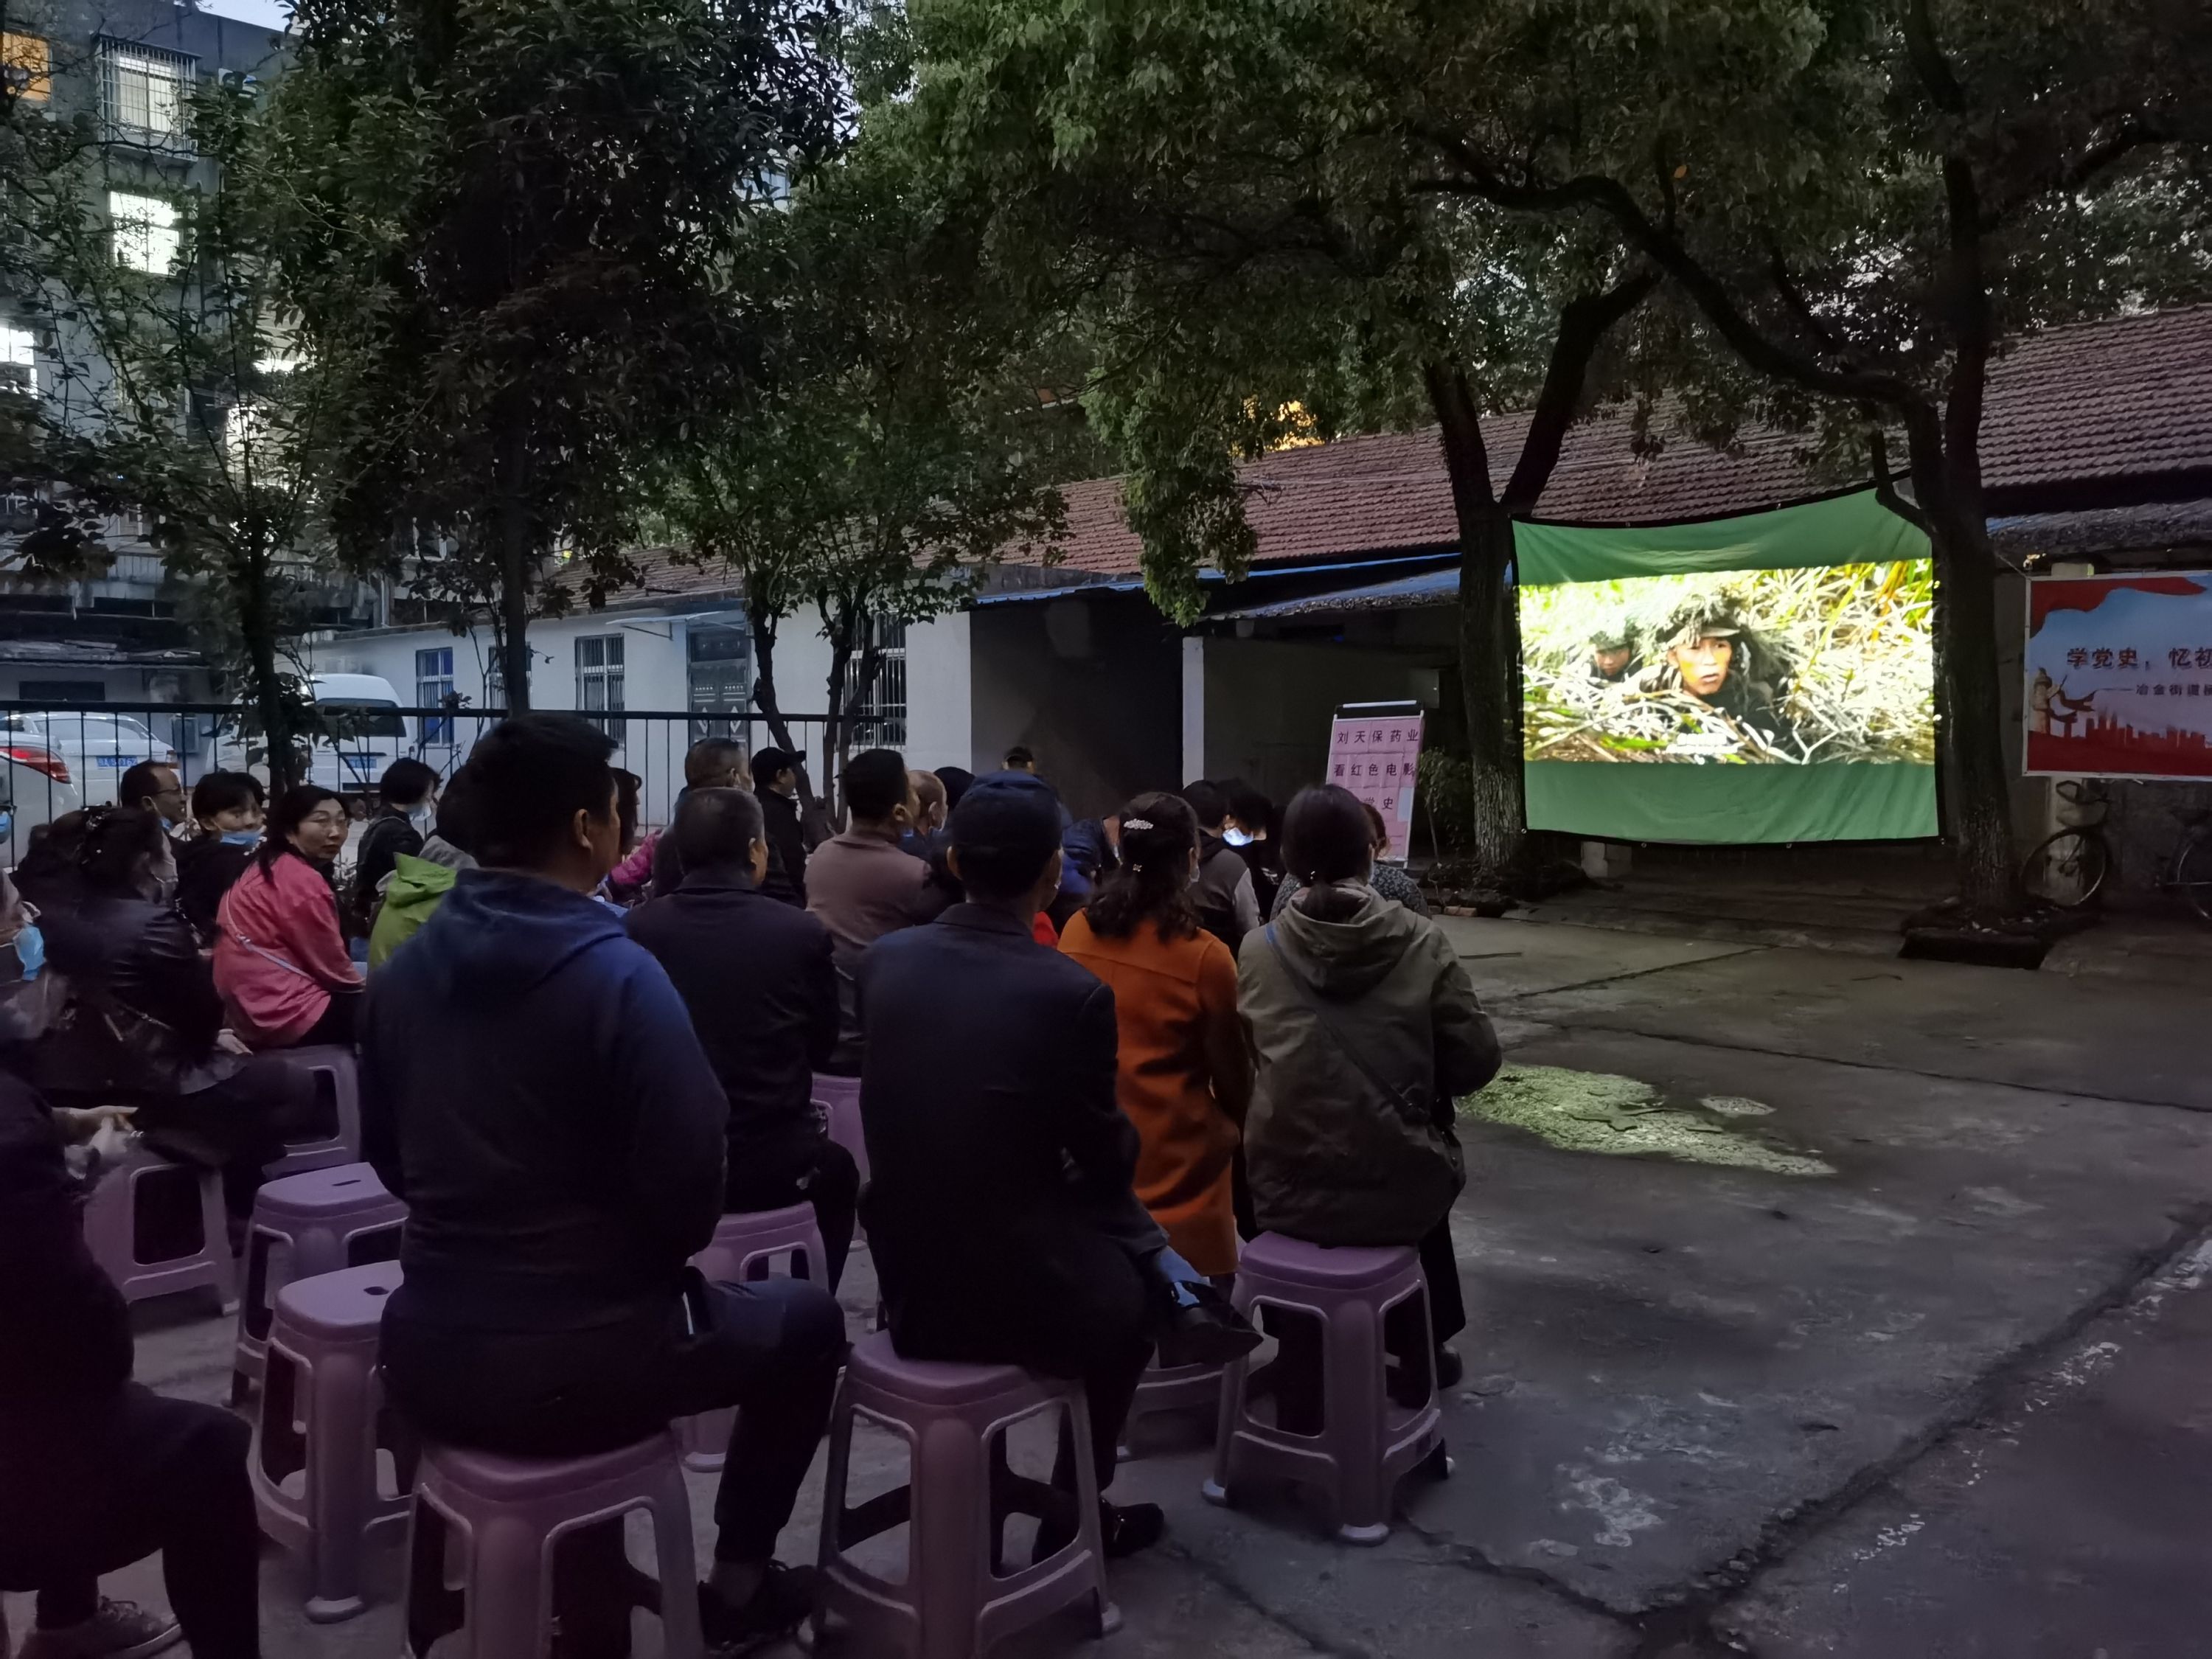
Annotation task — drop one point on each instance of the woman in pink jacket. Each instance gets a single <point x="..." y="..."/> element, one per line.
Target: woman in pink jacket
<point x="280" y="958"/>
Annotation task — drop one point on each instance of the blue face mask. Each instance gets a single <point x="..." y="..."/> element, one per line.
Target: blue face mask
<point x="1235" y="837"/>
<point x="30" y="949"/>
<point x="241" y="838"/>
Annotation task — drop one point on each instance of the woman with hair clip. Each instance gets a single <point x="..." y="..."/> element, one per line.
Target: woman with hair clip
<point x="1365" y="1031"/>
<point x="1184" y="1075"/>
<point x="281" y="960"/>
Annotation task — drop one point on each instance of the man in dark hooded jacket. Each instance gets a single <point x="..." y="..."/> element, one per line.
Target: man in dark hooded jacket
<point x="533" y="1087"/>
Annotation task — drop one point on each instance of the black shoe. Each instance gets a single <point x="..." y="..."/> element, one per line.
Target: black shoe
<point x="1207" y="1331"/>
<point x="1123" y="1529"/>
<point x="784" y="1602"/>
<point x="1450" y="1368"/>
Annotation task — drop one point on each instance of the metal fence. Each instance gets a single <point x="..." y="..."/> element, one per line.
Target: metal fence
<point x="60" y="756"/>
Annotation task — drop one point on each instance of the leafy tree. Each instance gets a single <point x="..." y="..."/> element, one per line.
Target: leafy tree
<point x="1863" y="201"/>
<point x="170" y="386"/>
<point x="1222" y="192"/>
<point x="899" y="451"/>
<point x="524" y="222"/>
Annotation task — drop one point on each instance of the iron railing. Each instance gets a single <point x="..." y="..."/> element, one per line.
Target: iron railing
<point x="57" y="757"/>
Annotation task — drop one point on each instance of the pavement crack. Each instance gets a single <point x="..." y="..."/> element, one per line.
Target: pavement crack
<point x="1690" y="1615"/>
<point x="1319" y="1640"/>
<point x="1618" y="979"/>
<point x="1473" y="1559"/>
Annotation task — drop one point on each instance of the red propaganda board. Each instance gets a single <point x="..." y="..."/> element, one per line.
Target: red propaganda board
<point x="2119" y="676"/>
<point x="1377" y="757"/>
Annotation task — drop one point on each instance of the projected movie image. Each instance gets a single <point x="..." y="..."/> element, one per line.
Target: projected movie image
<point x="1814" y="666"/>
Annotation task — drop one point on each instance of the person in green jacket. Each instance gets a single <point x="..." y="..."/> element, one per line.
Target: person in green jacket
<point x="1364" y="1032"/>
<point x="412" y="894"/>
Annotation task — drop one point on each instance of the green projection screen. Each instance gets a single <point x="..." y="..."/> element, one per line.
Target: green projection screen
<point x="1769" y="678"/>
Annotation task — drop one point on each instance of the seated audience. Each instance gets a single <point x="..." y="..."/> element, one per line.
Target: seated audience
<point x="775" y="782"/>
<point x="47" y="876"/>
<point x="1365" y="1031"/>
<point x="1228" y="903"/>
<point x="407" y="797"/>
<point x="419" y="884"/>
<point x="928" y="817"/>
<point x="1183" y="1076"/>
<point x="862" y="886"/>
<point x="151" y="787"/>
<point x="280" y="958"/>
<point x="97" y="1471"/>
<point x="227" y="811"/>
<point x="1000" y="1212"/>
<point x="531" y="1085"/>
<point x="762" y="987"/>
<point x="1250" y="829"/>
<point x="139" y="1024"/>
<point x="1389" y="880"/>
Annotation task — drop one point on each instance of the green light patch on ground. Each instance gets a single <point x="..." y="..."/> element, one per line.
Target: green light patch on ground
<point x="1600" y="1112"/>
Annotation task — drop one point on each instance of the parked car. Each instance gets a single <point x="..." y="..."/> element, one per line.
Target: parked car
<point x="37" y="787"/>
<point x="97" y="750"/>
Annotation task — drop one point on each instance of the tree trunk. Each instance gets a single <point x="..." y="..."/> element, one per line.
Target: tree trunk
<point x="833" y="728"/>
<point x="1970" y="714"/>
<point x="1489" y="633"/>
<point x="514" y="574"/>
<point x="765" y="698"/>
<point x="257" y="623"/>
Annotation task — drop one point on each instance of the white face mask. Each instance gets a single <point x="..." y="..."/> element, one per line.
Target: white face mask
<point x="424" y="817"/>
<point x="1235" y="837"/>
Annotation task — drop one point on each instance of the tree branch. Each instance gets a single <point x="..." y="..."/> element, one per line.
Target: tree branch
<point x="1584" y="322"/>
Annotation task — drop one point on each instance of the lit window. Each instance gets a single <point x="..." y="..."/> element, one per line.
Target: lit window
<point x="19" y="361"/>
<point x="147" y="237"/>
<point x="143" y="92"/>
<point x="26" y="67"/>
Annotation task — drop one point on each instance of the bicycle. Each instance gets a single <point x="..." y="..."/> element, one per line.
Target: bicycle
<point x="2071" y="869"/>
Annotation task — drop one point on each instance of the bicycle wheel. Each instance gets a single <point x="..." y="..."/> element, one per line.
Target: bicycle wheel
<point x="2192" y="874"/>
<point x="2068" y="869"/>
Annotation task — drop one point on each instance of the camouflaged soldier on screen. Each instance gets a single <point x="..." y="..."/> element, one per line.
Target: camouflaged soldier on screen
<point x="1613" y="654"/>
<point x="1705" y="652"/>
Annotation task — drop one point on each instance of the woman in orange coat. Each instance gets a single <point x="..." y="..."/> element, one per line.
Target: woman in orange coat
<point x="1185" y="1075"/>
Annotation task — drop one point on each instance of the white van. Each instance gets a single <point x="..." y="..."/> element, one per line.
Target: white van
<point x="363" y="732"/>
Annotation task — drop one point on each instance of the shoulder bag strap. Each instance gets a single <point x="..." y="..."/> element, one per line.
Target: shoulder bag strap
<point x="1402" y="1098"/>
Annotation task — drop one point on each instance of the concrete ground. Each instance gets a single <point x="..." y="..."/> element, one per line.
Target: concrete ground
<point x="1821" y="1303"/>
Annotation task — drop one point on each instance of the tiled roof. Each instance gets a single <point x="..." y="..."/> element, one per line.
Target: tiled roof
<point x="2129" y="397"/>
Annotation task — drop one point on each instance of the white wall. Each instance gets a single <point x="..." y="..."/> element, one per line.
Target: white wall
<point x="939" y="693"/>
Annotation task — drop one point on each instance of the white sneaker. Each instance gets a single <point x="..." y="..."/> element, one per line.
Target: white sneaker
<point x="120" y="1630"/>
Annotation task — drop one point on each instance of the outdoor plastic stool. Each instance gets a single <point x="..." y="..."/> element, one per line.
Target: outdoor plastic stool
<point x="332" y="1066"/>
<point x="1172" y="1389"/>
<point x="111" y="1232"/>
<point x="744" y="1245"/>
<point x="1367" y="1442"/>
<point x="322" y="1419"/>
<point x="840" y="1100"/>
<point x="510" y="1513"/>
<point x="304" y="1226"/>
<point x="953" y="1602"/>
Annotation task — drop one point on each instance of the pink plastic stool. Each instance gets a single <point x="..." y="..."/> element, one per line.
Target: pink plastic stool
<point x="953" y="1602"/>
<point x="510" y="1512"/>
<point x="1172" y="1389"/>
<point x="333" y="1067"/>
<point x="743" y="1247"/>
<point x="304" y="1226"/>
<point x="111" y="1232"/>
<point x="1368" y="1443"/>
<point x="840" y="1100"/>
<point x="323" y="1420"/>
